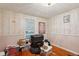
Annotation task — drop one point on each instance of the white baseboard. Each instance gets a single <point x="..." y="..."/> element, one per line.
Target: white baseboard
<point x="66" y="49"/>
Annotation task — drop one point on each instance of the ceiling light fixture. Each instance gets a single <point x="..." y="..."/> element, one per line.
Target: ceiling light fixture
<point x="48" y="4"/>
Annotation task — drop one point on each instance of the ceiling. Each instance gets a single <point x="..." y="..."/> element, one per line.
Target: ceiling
<point x="37" y="9"/>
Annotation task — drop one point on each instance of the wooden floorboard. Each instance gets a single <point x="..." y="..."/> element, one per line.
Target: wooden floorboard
<point x="61" y="52"/>
<point x="55" y="52"/>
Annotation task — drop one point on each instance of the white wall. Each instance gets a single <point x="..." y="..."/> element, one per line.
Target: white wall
<point x="65" y="35"/>
<point x="12" y="27"/>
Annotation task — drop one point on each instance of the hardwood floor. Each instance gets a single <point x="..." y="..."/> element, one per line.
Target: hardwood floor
<point x="61" y="52"/>
<point x="55" y="52"/>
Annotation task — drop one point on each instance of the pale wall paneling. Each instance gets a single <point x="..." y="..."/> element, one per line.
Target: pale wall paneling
<point x="6" y="22"/>
<point x="66" y="34"/>
<point x="0" y="23"/>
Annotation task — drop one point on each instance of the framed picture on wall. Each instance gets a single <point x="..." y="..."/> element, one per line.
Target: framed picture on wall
<point x="42" y="28"/>
<point x="66" y="19"/>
